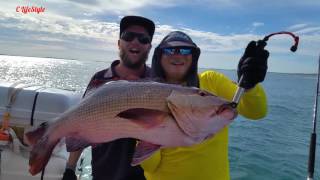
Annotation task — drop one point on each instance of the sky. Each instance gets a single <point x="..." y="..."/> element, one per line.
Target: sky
<point x="89" y="29"/>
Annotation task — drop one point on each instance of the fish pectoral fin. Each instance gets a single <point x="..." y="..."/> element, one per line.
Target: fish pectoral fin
<point x="76" y="144"/>
<point x="143" y="151"/>
<point x="147" y="118"/>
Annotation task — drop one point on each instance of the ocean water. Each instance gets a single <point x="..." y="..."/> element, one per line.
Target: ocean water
<point x="275" y="147"/>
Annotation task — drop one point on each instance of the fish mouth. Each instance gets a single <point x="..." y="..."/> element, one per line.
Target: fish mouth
<point x="227" y="109"/>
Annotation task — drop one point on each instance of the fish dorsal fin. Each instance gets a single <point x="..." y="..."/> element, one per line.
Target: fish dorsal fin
<point x="147" y="118"/>
<point x="143" y="151"/>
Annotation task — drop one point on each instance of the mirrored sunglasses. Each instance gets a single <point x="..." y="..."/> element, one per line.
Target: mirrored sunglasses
<point x="177" y="50"/>
<point x="129" y="36"/>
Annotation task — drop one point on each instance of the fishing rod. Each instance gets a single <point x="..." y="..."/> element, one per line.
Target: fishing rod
<point x="313" y="138"/>
<point x="261" y="44"/>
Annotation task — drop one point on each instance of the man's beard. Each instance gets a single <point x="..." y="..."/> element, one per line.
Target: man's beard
<point x="133" y="65"/>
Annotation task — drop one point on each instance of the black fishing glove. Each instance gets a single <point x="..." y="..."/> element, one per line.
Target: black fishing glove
<point x="253" y="64"/>
<point x="69" y="174"/>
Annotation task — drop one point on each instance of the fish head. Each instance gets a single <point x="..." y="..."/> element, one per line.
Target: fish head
<point x="200" y="114"/>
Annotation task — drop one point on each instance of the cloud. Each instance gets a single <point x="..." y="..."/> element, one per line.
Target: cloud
<point x="86" y="2"/>
<point x="62" y="26"/>
<point x="297" y="26"/>
<point x="309" y="30"/>
<point x="254" y="26"/>
<point x="118" y="7"/>
<point x="110" y="7"/>
<point x="253" y="3"/>
<point x="305" y="29"/>
<point x="257" y="24"/>
<point x="103" y="35"/>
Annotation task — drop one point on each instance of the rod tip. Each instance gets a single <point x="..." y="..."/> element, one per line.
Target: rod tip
<point x="294" y="48"/>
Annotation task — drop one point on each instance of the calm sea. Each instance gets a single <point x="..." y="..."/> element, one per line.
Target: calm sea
<point x="274" y="148"/>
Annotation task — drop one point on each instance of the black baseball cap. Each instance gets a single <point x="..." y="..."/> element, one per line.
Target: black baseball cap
<point x="137" y="20"/>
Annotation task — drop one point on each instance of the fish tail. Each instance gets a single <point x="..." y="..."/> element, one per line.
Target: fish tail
<point x="33" y="136"/>
<point x="40" y="154"/>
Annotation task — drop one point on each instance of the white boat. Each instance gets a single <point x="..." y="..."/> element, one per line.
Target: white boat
<point x="30" y="106"/>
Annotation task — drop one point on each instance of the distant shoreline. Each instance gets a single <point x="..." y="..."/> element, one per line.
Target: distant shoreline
<point x="206" y="68"/>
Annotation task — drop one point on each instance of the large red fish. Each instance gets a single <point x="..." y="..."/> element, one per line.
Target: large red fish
<point x="157" y="114"/>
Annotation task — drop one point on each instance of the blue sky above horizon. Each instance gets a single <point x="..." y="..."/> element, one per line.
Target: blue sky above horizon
<point x="89" y="29"/>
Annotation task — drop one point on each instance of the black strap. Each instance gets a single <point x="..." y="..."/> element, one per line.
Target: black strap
<point x="31" y="123"/>
<point x="33" y="108"/>
<point x="42" y="173"/>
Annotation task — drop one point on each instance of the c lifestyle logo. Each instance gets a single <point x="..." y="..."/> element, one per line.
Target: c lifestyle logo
<point x="30" y="9"/>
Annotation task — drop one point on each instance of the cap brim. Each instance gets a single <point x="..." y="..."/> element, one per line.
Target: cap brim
<point x="177" y="43"/>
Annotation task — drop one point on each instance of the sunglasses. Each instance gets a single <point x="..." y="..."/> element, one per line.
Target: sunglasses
<point x="129" y="36"/>
<point x="177" y="50"/>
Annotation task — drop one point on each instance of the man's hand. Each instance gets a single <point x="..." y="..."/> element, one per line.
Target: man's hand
<point x="69" y="174"/>
<point x="253" y="64"/>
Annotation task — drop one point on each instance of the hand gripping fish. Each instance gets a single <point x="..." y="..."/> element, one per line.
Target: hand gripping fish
<point x="157" y="114"/>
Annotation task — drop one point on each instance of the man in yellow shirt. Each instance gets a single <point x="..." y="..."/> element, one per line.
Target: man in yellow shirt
<point x="175" y="61"/>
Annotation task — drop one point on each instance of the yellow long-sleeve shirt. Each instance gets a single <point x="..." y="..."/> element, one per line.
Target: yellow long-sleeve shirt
<point x="207" y="160"/>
